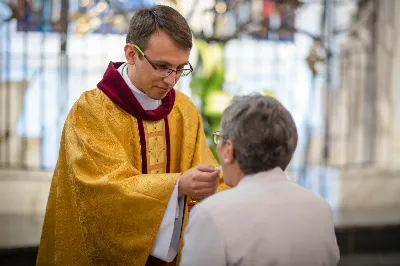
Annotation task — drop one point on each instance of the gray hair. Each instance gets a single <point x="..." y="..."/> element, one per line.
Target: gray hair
<point x="262" y="131"/>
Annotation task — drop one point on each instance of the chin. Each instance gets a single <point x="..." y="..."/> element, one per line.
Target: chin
<point x="158" y="96"/>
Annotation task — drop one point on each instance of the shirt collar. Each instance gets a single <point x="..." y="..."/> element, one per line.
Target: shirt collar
<point x="145" y="101"/>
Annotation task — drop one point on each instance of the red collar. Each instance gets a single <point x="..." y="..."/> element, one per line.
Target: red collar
<point x="115" y="87"/>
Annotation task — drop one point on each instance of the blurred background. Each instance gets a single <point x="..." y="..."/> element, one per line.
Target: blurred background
<point x="332" y="63"/>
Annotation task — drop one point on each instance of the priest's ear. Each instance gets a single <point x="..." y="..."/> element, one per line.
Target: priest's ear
<point x="130" y="53"/>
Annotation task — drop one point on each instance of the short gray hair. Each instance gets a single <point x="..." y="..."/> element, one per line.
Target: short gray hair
<point x="262" y="131"/>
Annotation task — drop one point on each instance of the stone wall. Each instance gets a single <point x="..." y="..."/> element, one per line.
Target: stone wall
<point x="365" y="117"/>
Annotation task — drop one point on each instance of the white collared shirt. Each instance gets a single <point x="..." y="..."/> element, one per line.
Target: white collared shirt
<point x="145" y="101"/>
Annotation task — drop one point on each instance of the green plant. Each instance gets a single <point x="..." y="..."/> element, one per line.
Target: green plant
<point x="206" y="86"/>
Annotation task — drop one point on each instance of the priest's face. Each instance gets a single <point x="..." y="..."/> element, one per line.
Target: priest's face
<point x="164" y="54"/>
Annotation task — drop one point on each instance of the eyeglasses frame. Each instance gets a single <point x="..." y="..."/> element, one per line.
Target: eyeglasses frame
<point x="169" y="69"/>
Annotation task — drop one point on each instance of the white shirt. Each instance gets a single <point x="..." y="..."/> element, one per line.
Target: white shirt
<point x="265" y="220"/>
<point x="166" y="244"/>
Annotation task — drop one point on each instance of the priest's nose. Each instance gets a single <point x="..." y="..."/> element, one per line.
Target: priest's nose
<point x="171" y="80"/>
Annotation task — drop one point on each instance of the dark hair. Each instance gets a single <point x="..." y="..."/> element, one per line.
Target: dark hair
<point x="262" y="131"/>
<point x="147" y="21"/>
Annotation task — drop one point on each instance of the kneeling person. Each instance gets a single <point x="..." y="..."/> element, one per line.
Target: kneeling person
<point x="265" y="219"/>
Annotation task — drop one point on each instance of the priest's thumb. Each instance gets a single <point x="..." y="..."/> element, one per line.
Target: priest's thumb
<point x="206" y="168"/>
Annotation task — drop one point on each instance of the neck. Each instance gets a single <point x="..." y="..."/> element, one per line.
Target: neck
<point x="239" y="177"/>
<point x="129" y="71"/>
<point x="236" y="173"/>
<point x="145" y="101"/>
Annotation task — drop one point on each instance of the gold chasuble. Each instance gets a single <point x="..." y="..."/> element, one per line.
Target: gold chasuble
<point x="117" y="168"/>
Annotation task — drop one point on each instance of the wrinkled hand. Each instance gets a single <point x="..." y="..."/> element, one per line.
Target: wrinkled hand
<point x="199" y="182"/>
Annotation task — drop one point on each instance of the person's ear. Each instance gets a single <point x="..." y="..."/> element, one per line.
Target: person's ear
<point x="229" y="154"/>
<point x="130" y="53"/>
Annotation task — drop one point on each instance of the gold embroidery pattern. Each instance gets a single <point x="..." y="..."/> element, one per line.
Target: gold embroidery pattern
<point x="156" y="146"/>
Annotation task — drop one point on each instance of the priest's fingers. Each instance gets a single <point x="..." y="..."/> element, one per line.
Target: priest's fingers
<point x="197" y="185"/>
<point x="209" y="187"/>
<point x="206" y="168"/>
<point x="200" y="189"/>
<point x="190" y="179"/>
<point x="202" y="193"/>
<point x="207" y="176"/>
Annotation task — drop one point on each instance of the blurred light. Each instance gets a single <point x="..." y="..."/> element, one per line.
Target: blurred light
<point x="94" y="23"/>
<point x="92" y="12"/>
<point x="81" y="20"/>
<point x="82" y="26"/>
<point x="269" y="92"/>
<point x="36" y="5"/>
<point x="216" y="102"/>
<point x="85" y="3"/>
<point x="119" y="19"/>
<point x="5" y="11"/>
<point x="220" y="7"/>
<point x="231" y="76"/>
<point x="269" y="7"/>
<point x="101" y="6"/>
<point x="297" y="117"/>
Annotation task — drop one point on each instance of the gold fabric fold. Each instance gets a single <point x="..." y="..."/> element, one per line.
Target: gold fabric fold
<point x="101" y="210"/>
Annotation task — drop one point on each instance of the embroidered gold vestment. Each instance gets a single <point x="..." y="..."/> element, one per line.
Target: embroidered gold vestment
<point x="113" y="179"/>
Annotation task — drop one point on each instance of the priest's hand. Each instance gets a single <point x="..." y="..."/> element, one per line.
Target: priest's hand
<point x="199" y="182"/>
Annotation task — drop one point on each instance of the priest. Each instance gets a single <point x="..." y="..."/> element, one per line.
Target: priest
<point x="132" y="154"/>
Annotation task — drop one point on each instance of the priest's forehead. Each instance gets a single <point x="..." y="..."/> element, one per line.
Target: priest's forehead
<point x="163" y="49"/>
